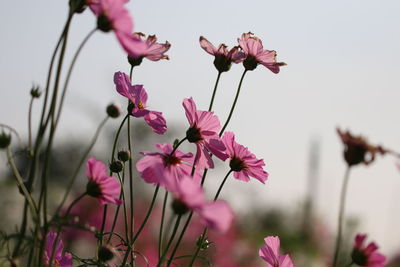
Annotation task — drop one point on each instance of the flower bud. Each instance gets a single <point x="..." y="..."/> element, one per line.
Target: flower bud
<point x="124" y="155"/>
<point x="35" y="92"/>
<point x="179" y="207"/>
<point x="105" y="253"/>
<point x="203" y="243"/>
<point x="113" y="110"/>
<point x="5" y="140"/>
<point x="116" y="166"/>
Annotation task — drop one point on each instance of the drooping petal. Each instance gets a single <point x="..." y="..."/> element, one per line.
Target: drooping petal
<point x="207" y="46"/>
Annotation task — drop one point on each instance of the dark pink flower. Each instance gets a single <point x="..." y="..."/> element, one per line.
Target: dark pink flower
<point x="270" y="253"/>
<point x="189" y="195"/>
<point x="112" y="15"/>
<point x="138" y="97"/>
<point x="59" y="259"/>
<point x="154" y="167"/>
<point x="203" y="131"/>
<point x="256" y="54"/>
<point x="366" y="255"/>
<point x="153" y="51"/>
<point x="243" y="163"/>
<point x="223" y="57"/>
<point x="101" y="186"/>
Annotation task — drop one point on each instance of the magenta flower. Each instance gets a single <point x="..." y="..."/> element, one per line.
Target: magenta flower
<point x="223" y="57"/>
<point x="101" y="186"/>
<point x="270" y="253"/>
<point x="366" y="255"/>
<point x="189" y="195"/>
<point x="138" y="97"/>
<point x="112" y="15"/>
<point x="153" y="51"/>
<point x="243" y="163"/>
<point x="256" y="54"/>
<point x="203" y="131"/>
<point x="155" y="167"/>
<point x="59" y="259"/>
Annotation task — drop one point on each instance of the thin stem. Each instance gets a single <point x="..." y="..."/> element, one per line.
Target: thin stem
<point x="171" y="239"/>
<point x="30" y="125"/>
<point x="130" y="167"/>
<point x="234" y="104"/>
<point x="214" y="91"/>
<point x="103" y="224"/>
<point x="174" y="149"/>
<point x="121" y="197"/>
<point x="222" y="185"/>
<point x="181" y="235"/>
<point x="341" y="214"/>
<point x="162" y="224"/>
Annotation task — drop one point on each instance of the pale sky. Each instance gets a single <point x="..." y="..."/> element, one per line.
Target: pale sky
<point x="343" y="70"/>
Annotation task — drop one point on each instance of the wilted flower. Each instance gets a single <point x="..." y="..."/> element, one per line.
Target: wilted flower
<point x="223" y="57"/>
<point x="138" y="97"/>
<point x="243" y="163"/>
<point x="256" y="54"/>
<point x="357" y="150"/>
<point x="270" y="253"/>
<point x="153" y="51"/>
<point x="203" y="131"/>
<point x="366" y="255"/>
<point x="59" y="259"/>
<point x="101" y="186"/>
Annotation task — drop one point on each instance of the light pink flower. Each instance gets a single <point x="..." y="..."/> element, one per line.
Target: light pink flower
<point x="59" y="259"/>
<point x="366" y="255"/>
<point x="101" y="186"/>
<point x="270" y="253"/>
<point x="223" y="57"/>
<point x="189" y="195"/>
<point x="154" y="167"/>
<point x="153" y="51"/>
<point x="138" y="97"/>
<point x="242" y="161"/>
<point x="112" y="15"/>
<point x="256" y="54"/>
<point x="203" y="131"/>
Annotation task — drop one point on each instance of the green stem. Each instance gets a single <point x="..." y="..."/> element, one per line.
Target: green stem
<point x="222" y="185"/>
<point x="214" y="91"/>
<point x="160" y="239"/>
<point x="341" y="214"/>
<point x="181" y="235"/>
<point x="30" y="126"/>
<point x="171" y="239"/>
<point x="199" y="245"/>
<point x="234" y="104"/>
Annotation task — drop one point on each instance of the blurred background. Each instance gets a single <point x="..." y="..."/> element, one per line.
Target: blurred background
<point x="342" y="72"/>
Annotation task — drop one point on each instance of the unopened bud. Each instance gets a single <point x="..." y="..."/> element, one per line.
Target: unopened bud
<point x="124" y="155"/>
<point x="5" y="140"/>
<point x="113" y="110"/>
<point x="105" y="253"/>
<point x="116" y="166"/>
<point x="35" y="92"/>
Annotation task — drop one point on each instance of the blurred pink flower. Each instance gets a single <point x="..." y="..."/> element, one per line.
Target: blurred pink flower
<point x="270" y="253"/>
<point x="366" y="255"/>
<point x="189" y="195"/>
<point x="153" y="51"/>
<point x="223" y="57"/>
<point x="59" y="259"/>
<point x="101" y="186"/>
<point x="203" y="131"/>
<point x="138" y="97"/>
<point x="112" y="15"/>
<point x="242" y="161"/>
<point x="256" y="54"/>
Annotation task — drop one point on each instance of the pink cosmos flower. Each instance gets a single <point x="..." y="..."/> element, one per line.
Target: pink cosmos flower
<point x="112" y="15"/>
<point x="366" y="255"/>
<point x="256" y="54"/>
<point x="270" y="253"/>
<point x="153" y="51"/>
<point x="101" y="186"/>
<point x="138" y="97"/>
<point x="203" y="131"/>
<point x="59" y="259"/>
<point x="242" y="162"/>
<point x="154" y="167"/>
<point x="223" y="57"/>
<point x="189" y="195"/>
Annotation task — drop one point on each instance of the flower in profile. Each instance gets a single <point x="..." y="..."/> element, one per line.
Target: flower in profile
<point x="243" y="163"/>
<point x="357" y="150"/>
<point x="138" y="98"/>
<point x="223" y="57"/>
<point x="59" y="259"/>
<point x="203" y="131"/>
<point x="153" y="51"/>
<point x="155" y="167"/>
<point x="189" y="195"/>
<point x="112" y="15"/>
<point x="363" y="255"/>
<point x="101" y="186"/>
<point x="256" y="54"/>
<point x="270" y="253"/>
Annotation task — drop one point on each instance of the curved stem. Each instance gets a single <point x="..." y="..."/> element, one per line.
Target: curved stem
<point x="171" y="239"/>
<point x="341" y="213"/>
<point x="30" y="125"/>
<point x="174" y="149"/>
<point x="222" y="185"/>
<point x="234" y="104"/>
<point x="162" y="224"/>
<point x="214" y="91"/>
